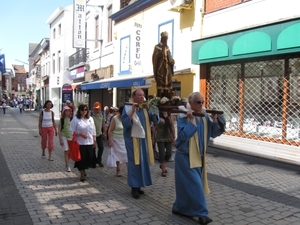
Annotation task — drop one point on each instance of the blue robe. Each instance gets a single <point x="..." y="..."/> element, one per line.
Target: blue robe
<point x="190" y="198"/>
<point x="138" y="175"/>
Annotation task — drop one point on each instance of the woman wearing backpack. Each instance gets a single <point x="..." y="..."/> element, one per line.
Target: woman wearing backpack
<point x="47" y="128"/>
<point x="64" y="134"/>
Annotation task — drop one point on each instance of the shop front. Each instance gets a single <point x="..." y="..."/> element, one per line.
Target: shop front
<point x="254" y="77"/>
<point x="104" y="88"/>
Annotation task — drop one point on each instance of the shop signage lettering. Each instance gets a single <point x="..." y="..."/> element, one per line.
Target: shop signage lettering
<point x="137" y="45"/>
<point x="79" y="12"/>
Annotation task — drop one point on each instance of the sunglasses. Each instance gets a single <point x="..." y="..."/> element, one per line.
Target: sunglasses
<point x="83" y="109"/>
<point x="116" y="111"/>
<point x="199" y="102"/>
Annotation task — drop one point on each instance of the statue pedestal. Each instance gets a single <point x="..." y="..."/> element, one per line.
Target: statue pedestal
<point x="164" y="93"/>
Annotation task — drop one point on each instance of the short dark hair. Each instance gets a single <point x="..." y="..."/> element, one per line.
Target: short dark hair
<point x="121" y="109"/>
<point x="44" y="106"/>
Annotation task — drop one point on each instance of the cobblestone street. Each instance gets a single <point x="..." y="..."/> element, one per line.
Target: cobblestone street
<point x="244" y="190"/>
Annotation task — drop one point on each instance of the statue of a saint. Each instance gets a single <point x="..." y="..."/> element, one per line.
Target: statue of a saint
<point x="163" y="67"/>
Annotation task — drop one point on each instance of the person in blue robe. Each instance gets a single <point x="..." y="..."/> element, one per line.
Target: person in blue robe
<point x="190" y="159"/>
<point x="137" y="135"/>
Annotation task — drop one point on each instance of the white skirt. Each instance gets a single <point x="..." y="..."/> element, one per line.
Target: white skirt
<point x="119" y="150"/>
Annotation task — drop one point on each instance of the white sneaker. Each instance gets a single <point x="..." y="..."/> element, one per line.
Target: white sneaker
<point x="68" y="169"/>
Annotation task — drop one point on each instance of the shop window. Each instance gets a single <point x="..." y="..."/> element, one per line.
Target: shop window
<point x="260" y="99"/>
<point x="176" y="88"/>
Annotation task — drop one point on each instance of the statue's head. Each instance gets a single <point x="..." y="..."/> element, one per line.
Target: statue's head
<point x="164" y="36"/>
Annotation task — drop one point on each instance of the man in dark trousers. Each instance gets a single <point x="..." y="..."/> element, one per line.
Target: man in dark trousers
<point x="99" y="120"/>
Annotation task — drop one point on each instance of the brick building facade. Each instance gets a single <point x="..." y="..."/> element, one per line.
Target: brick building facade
<point x="19" y="81"/>
<point x="215" y="5"/>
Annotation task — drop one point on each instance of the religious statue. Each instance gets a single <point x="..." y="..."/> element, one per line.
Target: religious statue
<point x="163" y="67"/>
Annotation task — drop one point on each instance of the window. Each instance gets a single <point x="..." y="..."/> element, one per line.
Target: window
<point x="54" y="33"/>
<point x="124" y="3"/>
<point x="96" y="32"/>
<point x="59" y="62"/>
<point x="255" y="98"/>
<point x="53" y="63"/>
<point x="109" y="24"/>
<point x="48" y="68"/>
<point x="59" y="29"/>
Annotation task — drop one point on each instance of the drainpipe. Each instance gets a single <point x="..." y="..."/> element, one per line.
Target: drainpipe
<point x="202" y="10"/>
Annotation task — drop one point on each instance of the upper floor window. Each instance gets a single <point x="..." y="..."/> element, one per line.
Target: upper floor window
<point x="43" y="70"/>
<point x="54" y="33"/>
<point x="109" y="24"/>
<point x="59" y="62"/>
<point x="53" y="63"/>
<point x="96" y="31"/>
<point x="59" y="29"/>
<point x="124" y="3"/>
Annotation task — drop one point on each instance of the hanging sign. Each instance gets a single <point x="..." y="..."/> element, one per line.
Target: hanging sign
<point x="67" y="93"/>
<point x="79" y="12"/>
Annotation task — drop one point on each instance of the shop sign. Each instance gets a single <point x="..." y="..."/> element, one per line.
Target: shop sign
<point x="77" y="73"/>
<point x="137" y="46"/>
<point x="67" y="93"/>
<point x="79" y="13"/>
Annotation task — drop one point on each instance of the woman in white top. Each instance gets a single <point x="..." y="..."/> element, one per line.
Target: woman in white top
<point x="47" y="128"/>
<point x="84" y="127"/>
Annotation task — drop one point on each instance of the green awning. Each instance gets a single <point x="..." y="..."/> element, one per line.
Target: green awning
<point x="289" y="37"/>
<point x="252" y="42"/>
<point x="213" y="49"/>
<point x="272" y="39"/>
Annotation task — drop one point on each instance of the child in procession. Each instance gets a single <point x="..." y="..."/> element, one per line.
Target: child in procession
<point x="64" y="134"/>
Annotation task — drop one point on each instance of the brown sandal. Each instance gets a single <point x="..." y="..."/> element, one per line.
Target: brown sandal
<point x="119" y="174"/>
<point x="163" y="174"/>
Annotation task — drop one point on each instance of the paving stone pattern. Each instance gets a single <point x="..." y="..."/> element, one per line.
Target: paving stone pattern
<point x="244" y="190"/>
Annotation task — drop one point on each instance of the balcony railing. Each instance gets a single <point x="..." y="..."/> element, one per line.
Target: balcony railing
<point x="80" y="56"/>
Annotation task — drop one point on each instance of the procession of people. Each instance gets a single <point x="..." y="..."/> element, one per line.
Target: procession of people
<point x="132" y="131"/>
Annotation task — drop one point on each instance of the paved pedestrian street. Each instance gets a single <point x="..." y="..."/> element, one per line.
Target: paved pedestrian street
<point x="33" y="190"/>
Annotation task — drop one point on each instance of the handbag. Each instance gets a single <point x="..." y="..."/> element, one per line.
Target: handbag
<point x="74" y="152"/>
<point x="111" y="161"/>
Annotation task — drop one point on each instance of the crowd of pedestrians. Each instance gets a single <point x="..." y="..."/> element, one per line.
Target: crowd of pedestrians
<point x="130" y="138"/>
<point x="24" y="104"/>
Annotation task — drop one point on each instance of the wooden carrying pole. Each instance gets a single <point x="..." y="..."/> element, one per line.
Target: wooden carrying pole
<point x="174" y="109"/>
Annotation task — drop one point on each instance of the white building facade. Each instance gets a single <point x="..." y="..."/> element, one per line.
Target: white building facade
<point x="61" y="32"/>
<point x="137" y="28"/>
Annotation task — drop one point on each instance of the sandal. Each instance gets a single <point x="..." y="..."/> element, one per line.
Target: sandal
<point x="163" y="174"/>
<point x="119" y="174"/>
<point x="165" y="169"/>
<point x="82" y="179"/>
